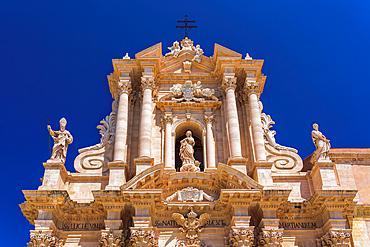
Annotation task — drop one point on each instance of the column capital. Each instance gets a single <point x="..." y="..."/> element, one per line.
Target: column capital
<point x="168" y="118"/>
<point x="209" y="118"/>
<point x="124" y="86"/>
<point x="252" y="87"/>
<point x="229" y="83"/>
<point x="147" y="82"/>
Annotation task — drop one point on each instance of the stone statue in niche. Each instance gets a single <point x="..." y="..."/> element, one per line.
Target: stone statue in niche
<point x="61" y="140"/>
<point x="189" y="164"/>
<point x="174" y="50"/>
<point x="322" y="145"/>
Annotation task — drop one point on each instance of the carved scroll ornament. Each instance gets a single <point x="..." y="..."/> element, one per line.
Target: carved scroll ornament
<point x="94" y="159"/>
<point x="285" y="159"/>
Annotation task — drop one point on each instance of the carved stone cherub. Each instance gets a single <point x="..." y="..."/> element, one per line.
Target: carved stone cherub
<point x="198" y="53"/>
<point x="61" y="140"/>
<point x="174" y="50"/>
<point x="191" y="225"/>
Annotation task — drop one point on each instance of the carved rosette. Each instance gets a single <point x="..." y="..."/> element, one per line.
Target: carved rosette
<point x="111" y="239"/>
<point x="333" y="237"/>
<point x="124" y="86"/>
<point x="229" y="83"/>
<point x="241" y="237"/>
<point x="141" y="238"/>
<point x="43" y="238"/>
<point x="252" y="87"/>
<point x="270" y="238"/>
<point x="209" y="119"/>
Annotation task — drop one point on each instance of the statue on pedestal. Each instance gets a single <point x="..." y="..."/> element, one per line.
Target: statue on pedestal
<point x="189" y="164"/>
<point x="322" y="145"/>
<point x="61" y="140"/>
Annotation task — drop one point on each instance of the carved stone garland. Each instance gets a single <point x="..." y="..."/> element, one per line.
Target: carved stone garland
<point x="335" y="238"/>
<point x="239" y="237"/>
<point x="141" y="238"/>
<point x="270" y="238"/>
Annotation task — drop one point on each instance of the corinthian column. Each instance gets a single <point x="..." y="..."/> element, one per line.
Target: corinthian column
<point x="168" y="164"/>
<point x="252" y="87"/>
<point x="229" y="84"/>
<point x="145" y="134"/>
<point x="120" y="144"/>
<point x="209" y="119"/>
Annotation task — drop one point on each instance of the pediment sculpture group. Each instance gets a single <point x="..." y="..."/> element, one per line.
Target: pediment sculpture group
<point x="186" y="45"/>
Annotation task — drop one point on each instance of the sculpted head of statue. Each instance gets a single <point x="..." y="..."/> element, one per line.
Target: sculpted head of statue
<point x="63" y="123"/>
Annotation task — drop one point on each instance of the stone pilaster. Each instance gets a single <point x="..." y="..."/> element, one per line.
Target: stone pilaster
<point x="168" y="162"/>
<point x="252" y="88"/>
<point x="120" y="144"/>
<point x="229" y="85"/>
<point x="211" y="155"/>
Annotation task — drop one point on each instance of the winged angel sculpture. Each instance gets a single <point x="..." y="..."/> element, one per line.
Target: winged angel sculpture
<point x="191" y="226"/>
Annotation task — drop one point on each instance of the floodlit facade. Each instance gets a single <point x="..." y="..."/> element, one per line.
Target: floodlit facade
<point x="187" y="157"/>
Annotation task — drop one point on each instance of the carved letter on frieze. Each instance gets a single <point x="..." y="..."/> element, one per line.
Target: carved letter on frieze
<point x="110" y="239"/>
<point x="335" y="238"/>
<point x="141" y="238"/>
<point x="270" y="238"/>
<point x="44" y="238"/>
<point x="241" y="237"/>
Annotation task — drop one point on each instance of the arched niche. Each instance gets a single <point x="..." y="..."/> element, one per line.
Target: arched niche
<point x="198" y="129"/>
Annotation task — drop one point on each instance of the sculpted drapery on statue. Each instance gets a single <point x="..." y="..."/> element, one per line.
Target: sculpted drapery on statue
<point x="61" y="140"/>
<point x="322" y="145"/>
<point x="187" y="154"/>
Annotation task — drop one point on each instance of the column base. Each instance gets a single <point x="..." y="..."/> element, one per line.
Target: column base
<point x="239" y="164"/>
<point x="323" y="176"/>
<point x="54" y="176"/>
<point x="143" y="163"/>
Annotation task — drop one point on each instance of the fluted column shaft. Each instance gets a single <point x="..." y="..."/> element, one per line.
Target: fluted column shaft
<point x="255" y="114"/>
<point x="120" y="144"/>
<point x="232" y="117"/>
<point x="168" y="142"/>
<point x="145" y="133"/>
<point x="210" y="142"/>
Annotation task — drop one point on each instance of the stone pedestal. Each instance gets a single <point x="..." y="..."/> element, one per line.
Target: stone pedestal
<point x="239" y="164"/>
<point x="323" y="176"/>
<point x="117" y="175"/>
<point x="143" y="163"/>
<point x="261" y="172"/>
<point x="54" y="176"/>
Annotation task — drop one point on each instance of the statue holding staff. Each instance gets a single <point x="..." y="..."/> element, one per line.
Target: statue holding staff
<point x="61" y="140"/>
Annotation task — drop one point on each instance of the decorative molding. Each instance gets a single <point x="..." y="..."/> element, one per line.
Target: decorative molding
<point x="124" y="86"/>
<point x="229" y="83"/>
<point x="209" y="119"/>
<point x="252" y="87"/>
<point x="147" y="82"/>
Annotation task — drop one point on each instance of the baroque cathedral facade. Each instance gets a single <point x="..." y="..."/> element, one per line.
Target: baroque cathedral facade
<point x="187" y="157"/>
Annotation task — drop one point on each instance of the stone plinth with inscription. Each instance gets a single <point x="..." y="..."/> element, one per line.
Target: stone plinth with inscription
<point x="188" y="157"/>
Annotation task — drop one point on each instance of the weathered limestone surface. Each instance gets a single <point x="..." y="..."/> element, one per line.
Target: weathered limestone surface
<point x="187" y="158"/>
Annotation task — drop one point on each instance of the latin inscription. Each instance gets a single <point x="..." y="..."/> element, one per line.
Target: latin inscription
<point x="297" y="225"/>
<point x="173" y="223"/>
<point x="82" y="226"/>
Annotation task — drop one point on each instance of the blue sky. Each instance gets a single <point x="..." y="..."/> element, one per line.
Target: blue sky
<point x="55" y="56"/>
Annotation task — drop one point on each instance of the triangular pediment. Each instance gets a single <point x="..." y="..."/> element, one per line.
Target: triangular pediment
<point x="221" y="51"/>
<point x="154" y="51"/>
<point x="175" y="65"/>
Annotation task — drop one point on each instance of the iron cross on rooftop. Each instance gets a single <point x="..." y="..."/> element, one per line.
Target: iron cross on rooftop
<point x="186" y="28"/>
